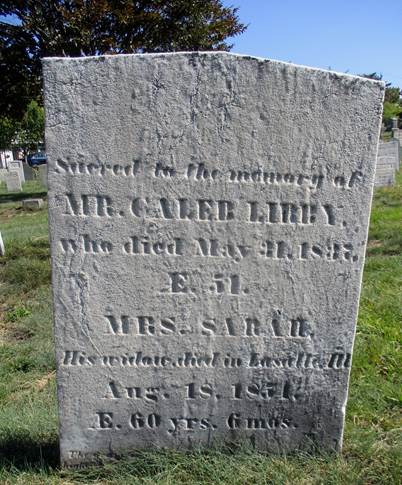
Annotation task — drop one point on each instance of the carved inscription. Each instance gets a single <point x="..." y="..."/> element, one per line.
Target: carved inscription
<point x="276" y="384"/>
<point x="276" y="376"/>
<point x="336" y="359"/>
<point x="213" y="248"/>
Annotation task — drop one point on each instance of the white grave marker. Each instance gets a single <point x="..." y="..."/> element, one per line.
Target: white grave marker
<point x="208" y="217"/>
<point x="13" y="181"/>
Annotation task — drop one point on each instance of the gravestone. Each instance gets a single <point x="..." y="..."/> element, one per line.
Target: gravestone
<point x="208" y="217"/>
<point x="2" y="249"/>
<point x="17" y="166"/>
<point x="13" y="181"/>
<point x="43" y="174"/>
<point x="3" y="173"/>
<point x="29" y="173"/>
<point x="388" y="162"/>
<point x="385" y="173"/>
<point x="32" y="204"/>
<point x="389" y="152"/>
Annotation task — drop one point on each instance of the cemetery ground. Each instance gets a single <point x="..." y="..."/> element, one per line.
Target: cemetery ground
<point x="372" y="452"/>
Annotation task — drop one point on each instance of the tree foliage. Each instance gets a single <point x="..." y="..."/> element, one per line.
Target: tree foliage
<point x="392" y="95"/>
<point x="391" y="110"/>
<point x="392" y="99"/>
<point x="20" y="71"/>
<point x="31" y="130"/>
<point x="27" y="133"/>
<point x="7" y="132"/>
<point x="93" y="27"/>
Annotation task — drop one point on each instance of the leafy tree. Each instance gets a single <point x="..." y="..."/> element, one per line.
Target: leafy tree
<point x="93" y="27"/>
<point x="20" y="71"/>
<point x="7" y="133"/>
<point x="391" y="110"/>
<point x="392" y="99"/>
<point x="30" y="131"/>
<point x="393" y="95"/>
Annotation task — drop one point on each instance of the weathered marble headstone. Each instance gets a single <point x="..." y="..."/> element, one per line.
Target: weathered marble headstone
<point x="17" y="166"/>
<point x="208" y="216"/>
<point x="3" y="174"/>
<point x="28" y="172"/>
<point x="13" y="181"/>
<point x="388" y="162"/>
<point x="43" y="175"/>
<point x="389" y="152"/>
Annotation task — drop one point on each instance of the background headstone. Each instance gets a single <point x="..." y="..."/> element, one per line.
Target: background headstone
<point x="388" y="162"/>
<point x="2" y="249"/>
<point x="390" y="150"/>
<point x="17" y="166"/>
<point x="396" y="132"/>
<point x="3" y="173"/>
<point x="28" y="172"/>
<point x="385" y="174"/>
<point x="208" y="217"/>
<point x="43" y="174"/>
<point x="13" y="181"/>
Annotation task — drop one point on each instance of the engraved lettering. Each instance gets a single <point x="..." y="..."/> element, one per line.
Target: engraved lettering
<point x="104" y="421"/>
<point x="88" y="205"/>
<point x="178" y="282"/>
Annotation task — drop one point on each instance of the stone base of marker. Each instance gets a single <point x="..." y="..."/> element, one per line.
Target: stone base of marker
<point x="32" y="204"/>
<point x="13" y="181"/>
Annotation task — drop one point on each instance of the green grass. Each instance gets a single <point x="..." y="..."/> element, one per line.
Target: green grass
<point x="372" y="452"/>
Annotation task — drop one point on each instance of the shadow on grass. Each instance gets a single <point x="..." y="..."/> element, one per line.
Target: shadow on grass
<point x="18" y="196"/>
<point x="26" y="454"/>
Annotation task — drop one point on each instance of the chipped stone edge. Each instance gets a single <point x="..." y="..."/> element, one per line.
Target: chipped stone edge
<point x="48" y="60"/>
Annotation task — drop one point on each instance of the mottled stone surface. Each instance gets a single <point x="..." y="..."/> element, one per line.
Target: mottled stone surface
<point x="13" y="181"/>
<point x="390" y="150"/>
<point x="43" y="174"/>
<point x="32" y="204"/>
<point x="3" y="173"/>
<point x="29" y="173"/>
<point x="208" y="218"/>
<point x="17" y="166"/>
<point x="388" y="161"/>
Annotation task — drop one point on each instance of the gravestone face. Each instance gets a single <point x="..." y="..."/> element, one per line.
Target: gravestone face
<point x="17" y="166"/>
<point x="208" y="218"/>
<point x="3" y="173"/>
<point x="28" y="172"/>
<point x="388" y="161"/>
<point x="13" y="181"/>
<point x="43" y="174"/>
<point x="389" y="152"/>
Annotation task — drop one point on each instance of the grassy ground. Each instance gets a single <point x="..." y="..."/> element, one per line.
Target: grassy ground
<point x="28" y="419"/>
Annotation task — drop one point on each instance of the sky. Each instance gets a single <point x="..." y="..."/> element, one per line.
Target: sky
<point x="354" y="36"/>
